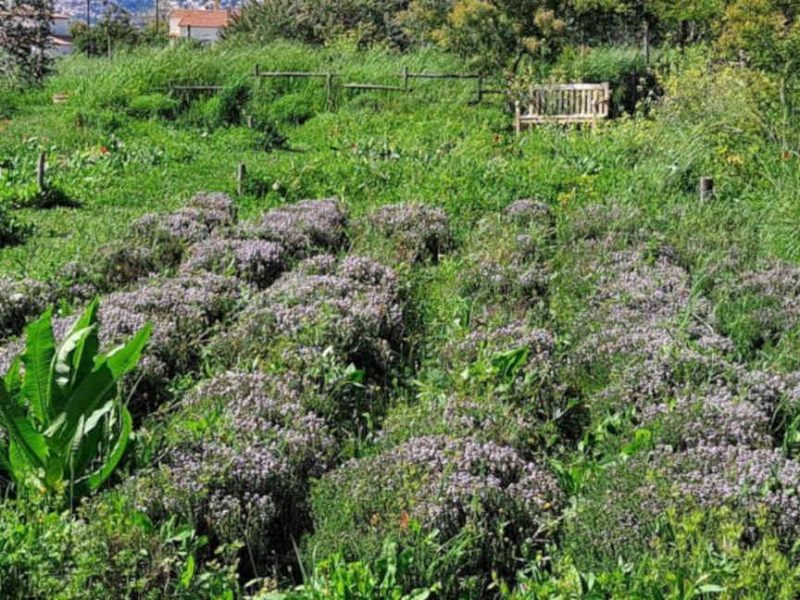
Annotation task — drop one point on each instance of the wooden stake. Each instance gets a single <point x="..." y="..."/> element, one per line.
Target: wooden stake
<point x="241" y="175"/>
<point x="480" y="88"/>
<point x="249" y="121"/>
<point x="329" y="90"/>
<point x="41" y="166"/>
<point x="706" y="188"/>
<point x="405" y="78"/>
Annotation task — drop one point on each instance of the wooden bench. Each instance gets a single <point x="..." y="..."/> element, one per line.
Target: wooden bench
<point x="563" y="103"/>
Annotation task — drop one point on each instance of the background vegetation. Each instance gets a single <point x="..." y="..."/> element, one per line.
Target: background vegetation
<point x="536" y="399"/>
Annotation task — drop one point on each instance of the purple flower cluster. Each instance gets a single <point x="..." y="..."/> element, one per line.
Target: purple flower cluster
<point x="528" y="211"/>
<point x="304" y="228"/>
<point x="157" y="242"/>
<point x="256" y="261"/>
<point x="509" y="261"/>
<point x="418" y="231"/>
<point x="182" y="311"/>
<point x="352" y="306"/>
<point x="203" y="215"/>
<point x="715" y="418"/>
<point x="452" y="484"/>
<point x="519" y="358"/>
<point x="20" y="300"/>
<point x="774" y="294"/>
<point x="246" y="477"/>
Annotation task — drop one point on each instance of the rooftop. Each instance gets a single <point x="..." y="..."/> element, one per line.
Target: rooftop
<point x="201" y="18"/>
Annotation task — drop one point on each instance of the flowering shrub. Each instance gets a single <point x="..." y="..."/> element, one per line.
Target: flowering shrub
<point x="19" y="301"/>
<point x="244" y="476"/>
<point x="623" y="511"/>
<point x="716" y="418"/>
<point x="528" y="211"/>
<point x="515" y="360"/>
<point x="304" y="228"/>
<point x="445" y="484"/>
<point x="508" y="261"/>
<point x="355" y="309"/>
<point x="760" y="307"/>
<point x="255" y="261"/>
<point x="158" y="241"/>
<point x="182" y="310"/>
<point x="418" y="232"/>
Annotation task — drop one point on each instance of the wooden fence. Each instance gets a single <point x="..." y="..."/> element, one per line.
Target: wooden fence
<point x="403" y="85"/>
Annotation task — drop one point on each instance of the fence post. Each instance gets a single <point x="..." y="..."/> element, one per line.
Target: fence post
<point x="41" y="166"/>
<point x="256" y="70"/>
<point x="706" y="188"/>
<point x="249" y="121"/>
<point x="241" y="175"/>
<point x="405" y="78"/>
<point x="329" y="90"/>
<point x="480" y="88"/>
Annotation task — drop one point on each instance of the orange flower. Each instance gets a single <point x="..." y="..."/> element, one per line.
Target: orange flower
<point x="103" y="150"/>
<point x="404" y="520"/>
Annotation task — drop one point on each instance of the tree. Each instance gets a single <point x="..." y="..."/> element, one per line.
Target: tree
<point x="25" y="39"/>
<point x="760" y="32"/>
<point x="114" y="29"/>
<point x="493" y="33"/>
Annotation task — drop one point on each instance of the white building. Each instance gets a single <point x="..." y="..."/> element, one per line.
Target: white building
<point x="60" y="37"/>
<point x="202" y="25"/>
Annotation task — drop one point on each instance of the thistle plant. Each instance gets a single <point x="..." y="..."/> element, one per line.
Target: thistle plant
<point x="66" y="427"/>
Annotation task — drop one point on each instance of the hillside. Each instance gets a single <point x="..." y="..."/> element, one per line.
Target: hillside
<point x="419" y="355"/>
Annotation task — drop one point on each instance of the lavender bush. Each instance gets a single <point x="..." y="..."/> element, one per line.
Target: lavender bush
<point x="20" y="301"/>
<point x="528" y="211"/>
<point x="255" y="261"/>
<point x="245" y="476"/>
<point x="418" y="232"/>
<point x="303" y="229"/>
<point x="759" y="308"/>
<point x="355" y="309"/>
<point x="157" y="242"/>
<point x="450" y="485"/>
<point x="183" y="311"/>
<point x="508" y="263"/>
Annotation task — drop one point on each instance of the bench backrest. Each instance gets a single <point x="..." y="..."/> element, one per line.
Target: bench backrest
<point x="565" y="102"/>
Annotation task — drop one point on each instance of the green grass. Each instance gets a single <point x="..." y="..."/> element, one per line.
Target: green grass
<point x="120" y="148"/>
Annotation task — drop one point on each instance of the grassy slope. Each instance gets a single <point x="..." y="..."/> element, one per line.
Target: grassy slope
<point x="431" y="145"/>
<point x="373" y="149"/>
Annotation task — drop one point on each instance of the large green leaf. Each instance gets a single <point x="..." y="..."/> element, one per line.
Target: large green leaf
<point x="86" y="442"/>
<point x="83" y="358"/>
<point x="13" y="378"/>
<point x="63" y="362"/>
<point x="30" y="444"/>
<point x="97" y="478"/>
<point x="39" y="350"/>
<point x="123" y="360"/>
<point x="100" y="383"/>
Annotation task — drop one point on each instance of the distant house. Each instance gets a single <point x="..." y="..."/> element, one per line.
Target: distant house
<point x="60" y="36"/>
<point x="202" y="25"/>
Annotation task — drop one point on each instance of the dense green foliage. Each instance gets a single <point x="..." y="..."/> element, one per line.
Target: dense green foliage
<point x="427" y="389"/>
<point x="60" y="407"/>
